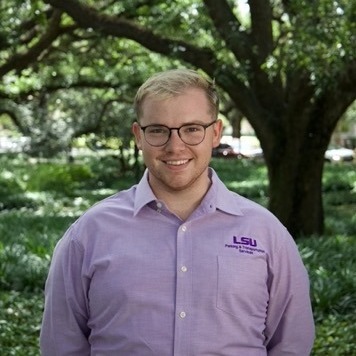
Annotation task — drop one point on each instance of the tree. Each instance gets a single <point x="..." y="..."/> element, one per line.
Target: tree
<point x="288" y="66"/>
<point x="56" y="84"/>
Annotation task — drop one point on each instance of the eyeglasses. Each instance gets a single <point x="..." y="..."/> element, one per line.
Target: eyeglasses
<point x="190" y="134"/>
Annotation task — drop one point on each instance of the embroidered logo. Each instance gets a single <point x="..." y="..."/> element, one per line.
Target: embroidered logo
<point x="245" y="241"/>
<point x="245" y="245"/>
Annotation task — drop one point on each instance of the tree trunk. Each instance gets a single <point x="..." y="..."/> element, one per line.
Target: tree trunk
<point x="296" y="193"/>
<point x="295" y="167"/>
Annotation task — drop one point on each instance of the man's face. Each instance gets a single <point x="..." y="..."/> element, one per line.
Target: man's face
<point x="177" y="166"/>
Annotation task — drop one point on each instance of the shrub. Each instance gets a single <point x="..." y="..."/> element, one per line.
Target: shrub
<point x="12" y="192"/>
<point x="9" y="184"/>
<point x="335" y="335"/>
<point x="21" y="270"/>
<point x="331" y="288"/>
<point x="20" y="322"/>
<point x="338" y="178"/>
<point x="59" y="178"/>
<point x="106" y="171"/>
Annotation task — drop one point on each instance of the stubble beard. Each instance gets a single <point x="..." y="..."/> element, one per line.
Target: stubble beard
<point x="163" y="183"/>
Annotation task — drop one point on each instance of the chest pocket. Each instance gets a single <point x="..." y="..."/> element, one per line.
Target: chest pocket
<point x="242" y="286"/>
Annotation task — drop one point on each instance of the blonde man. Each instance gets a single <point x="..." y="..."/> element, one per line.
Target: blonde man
<point x="178" y="264"/>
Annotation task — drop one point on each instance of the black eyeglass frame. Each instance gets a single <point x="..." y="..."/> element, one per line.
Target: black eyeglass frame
<point x="143" y="128"/>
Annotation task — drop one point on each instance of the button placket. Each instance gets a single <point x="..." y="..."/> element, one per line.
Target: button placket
<point x="183" y="290"/>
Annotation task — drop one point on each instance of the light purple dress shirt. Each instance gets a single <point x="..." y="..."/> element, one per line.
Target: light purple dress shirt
<point x="131" y="278"/>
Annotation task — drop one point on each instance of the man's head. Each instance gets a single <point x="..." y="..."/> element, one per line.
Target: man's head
<point x="177" y="128"/>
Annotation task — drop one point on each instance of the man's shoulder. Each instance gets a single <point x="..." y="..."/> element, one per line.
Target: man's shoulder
<point x="122" y="201"/>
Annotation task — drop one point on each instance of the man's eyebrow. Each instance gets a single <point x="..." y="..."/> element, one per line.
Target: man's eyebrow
<point x="197" y="122"/>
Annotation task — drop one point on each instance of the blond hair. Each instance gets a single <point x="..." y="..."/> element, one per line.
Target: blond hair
<point x="174" y="82"/>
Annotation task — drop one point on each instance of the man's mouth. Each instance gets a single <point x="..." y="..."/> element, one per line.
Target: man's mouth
<point x="177" y="163"/>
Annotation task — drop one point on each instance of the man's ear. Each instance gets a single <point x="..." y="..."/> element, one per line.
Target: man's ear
<point x="218" y="128"/>
<point x="136" y="130"/>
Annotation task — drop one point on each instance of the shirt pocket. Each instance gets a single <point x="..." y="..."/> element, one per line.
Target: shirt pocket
<point x="242" y="286"/>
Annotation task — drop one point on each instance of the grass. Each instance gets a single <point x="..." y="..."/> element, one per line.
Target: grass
<point x="36" y="208"/>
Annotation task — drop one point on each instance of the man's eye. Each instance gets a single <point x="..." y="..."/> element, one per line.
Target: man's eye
<point x="156" y="130"/>
<point x="192" y="128"/>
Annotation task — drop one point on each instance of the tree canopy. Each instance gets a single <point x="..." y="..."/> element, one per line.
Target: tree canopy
<point x="289" y="67"/>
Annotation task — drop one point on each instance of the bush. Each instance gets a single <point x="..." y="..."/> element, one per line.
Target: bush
<point x="12" y="192"/>
<point x="331" y="287"/>
<point x="245" y="177"/>
<point x="9" y="184"/>
<point x="331" y="265"/>
<point x="335" y="335"/>
<point x="59" y="178"/>
<point x="21" y="270"/>
<point x="20" y="320"/>
<point x="338" y="178"/>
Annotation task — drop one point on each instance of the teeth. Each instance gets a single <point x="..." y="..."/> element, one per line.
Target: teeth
<point x="177" y="163"/>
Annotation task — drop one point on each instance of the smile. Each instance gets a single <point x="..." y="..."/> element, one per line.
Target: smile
<point x="177" y="163"/>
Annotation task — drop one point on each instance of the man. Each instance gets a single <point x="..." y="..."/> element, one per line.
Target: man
<point x="178" y="264"/>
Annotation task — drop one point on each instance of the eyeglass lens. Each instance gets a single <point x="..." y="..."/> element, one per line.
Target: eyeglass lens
<point x="158" y="135"/>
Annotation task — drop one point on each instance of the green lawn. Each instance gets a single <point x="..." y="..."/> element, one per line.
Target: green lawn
<point x="38" y="201"/>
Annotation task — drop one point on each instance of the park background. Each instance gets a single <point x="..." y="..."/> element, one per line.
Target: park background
<point x="285" y="71"/>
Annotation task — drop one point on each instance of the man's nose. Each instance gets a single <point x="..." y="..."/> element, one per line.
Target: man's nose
<point x="175" y="140"/>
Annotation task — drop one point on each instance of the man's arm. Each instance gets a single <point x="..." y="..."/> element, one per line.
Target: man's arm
<point x="290" y="325"/>
<point x="64" y="325"/>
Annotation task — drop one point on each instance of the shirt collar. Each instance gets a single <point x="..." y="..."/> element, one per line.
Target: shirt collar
<point x="221" y="197"/>
<point x="144" y="194"/>
<point x="218" y="195"/>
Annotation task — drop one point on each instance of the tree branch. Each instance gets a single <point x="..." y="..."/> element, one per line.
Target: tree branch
<point x="204" y="58"/>
<point x="228" y="27"/>
<point x="21" y="61"/>
<point x="87" y="17"/>
<point x="261" y="27"/>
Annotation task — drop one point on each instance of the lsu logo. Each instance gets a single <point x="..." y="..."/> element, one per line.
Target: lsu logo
<point x="246" y="241"/>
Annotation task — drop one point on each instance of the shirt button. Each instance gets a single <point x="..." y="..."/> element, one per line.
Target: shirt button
<point x="182" y="314"/>
<point x="184" y="269"/>
<point x="159" y="205"/>
<point x="184" y="228"/>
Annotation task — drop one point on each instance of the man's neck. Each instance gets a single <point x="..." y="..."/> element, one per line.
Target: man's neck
<point x="182" y="206"/>
<point x="182" y="202"/>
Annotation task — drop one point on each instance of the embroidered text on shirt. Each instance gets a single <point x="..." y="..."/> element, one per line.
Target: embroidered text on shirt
<point x="245" y="245"/>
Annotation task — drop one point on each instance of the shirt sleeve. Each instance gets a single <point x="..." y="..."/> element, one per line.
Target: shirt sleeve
<point x="290" y="324"/>
<point x="64" y="326"/>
